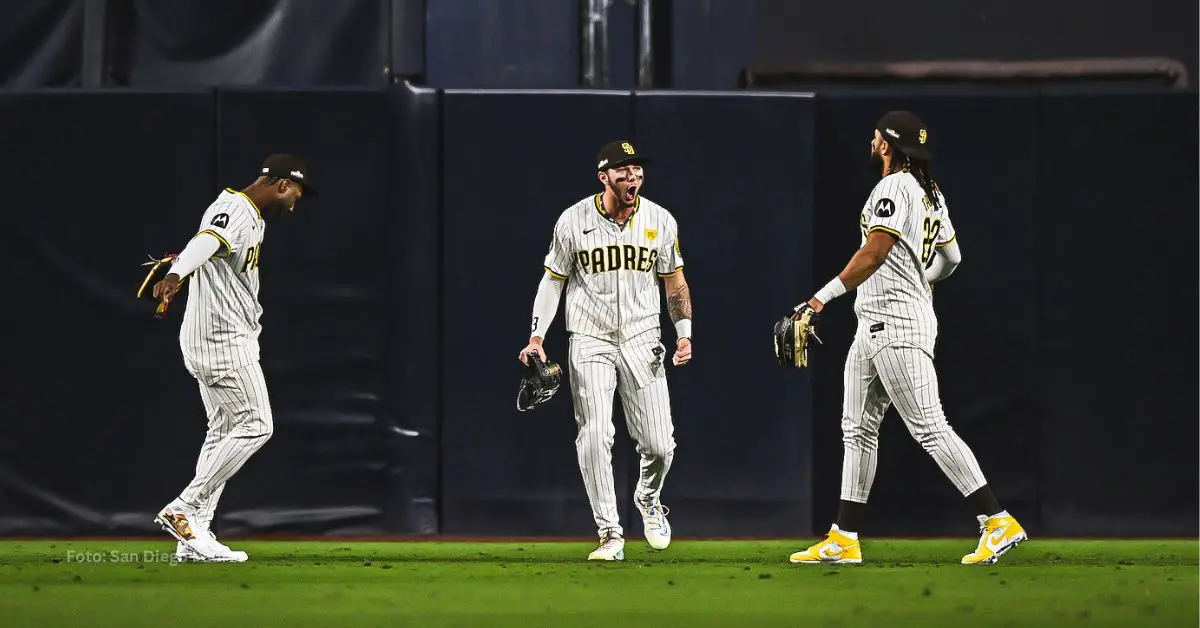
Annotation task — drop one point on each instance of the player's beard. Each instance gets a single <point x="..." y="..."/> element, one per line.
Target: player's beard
<point x="876" y="162"/>
<point x="276" y="209"/>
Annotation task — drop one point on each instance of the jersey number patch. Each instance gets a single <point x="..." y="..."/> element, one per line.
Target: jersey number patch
<point x="929" y="233"/>
<point x="251" y="259"/>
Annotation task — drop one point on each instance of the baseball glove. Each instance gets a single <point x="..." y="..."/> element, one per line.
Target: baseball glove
<point x="158" y="270"/>
<point x="539" y="383"/>
<point x="792" y="336"/>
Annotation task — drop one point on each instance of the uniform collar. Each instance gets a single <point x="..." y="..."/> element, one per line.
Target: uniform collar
<point x="598" y="201"/>
<point x="243" y="195"/>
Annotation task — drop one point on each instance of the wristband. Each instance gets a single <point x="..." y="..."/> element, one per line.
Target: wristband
<point x="832" y="290"/>
<point x="683" y="328"/>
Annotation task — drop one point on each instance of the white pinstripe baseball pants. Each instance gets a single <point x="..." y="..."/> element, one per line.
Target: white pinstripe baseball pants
<point x="239" y="424"/>
<point x="635" y="369"/>
<point x="876" y="376"/>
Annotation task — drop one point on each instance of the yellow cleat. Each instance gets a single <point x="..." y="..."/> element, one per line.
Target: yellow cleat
<point x="997" y="535"/>
<point x="836" y="549"/>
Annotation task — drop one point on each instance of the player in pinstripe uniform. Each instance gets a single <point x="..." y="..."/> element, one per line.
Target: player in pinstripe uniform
<point x="219" y="341"/>
<point x="609" y="250"/>
<point x="908" y="243"/>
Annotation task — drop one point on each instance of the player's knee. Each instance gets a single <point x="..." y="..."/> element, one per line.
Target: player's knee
<point x="593" y="447"/>
<point x="931" y="436"/>
<point x="859" y="436"/>
<point x="261" y="428"/>
<point x="592" y="437"/>
<point x="592" y="457"/>
<point x="926" y="422"/>
<point x="659" y="447"/>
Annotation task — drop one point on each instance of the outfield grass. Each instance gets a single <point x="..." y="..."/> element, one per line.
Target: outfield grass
<point x="711" y="583"/>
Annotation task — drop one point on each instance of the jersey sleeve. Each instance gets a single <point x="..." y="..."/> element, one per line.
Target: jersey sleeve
<point x="946" y="233"/>
<point x="670" y="260"/>
<point x="888" y="208"/>
<point x="228" y="222"/>
<point x="560" y="257"/>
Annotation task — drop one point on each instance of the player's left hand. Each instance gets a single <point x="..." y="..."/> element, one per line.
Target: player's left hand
<point x="683" y="352"/>
<point x="814" y="304"/>
<point x="160" y="284"/>
<point x="166" y="289"/>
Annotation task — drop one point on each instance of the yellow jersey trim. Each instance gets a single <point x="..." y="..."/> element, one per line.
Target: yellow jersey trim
<point x="224" y="242"/>
<point x="677" y="269"/>
<point x="947" y="242"/>
<point x="599" y="202"/>
<point x="886" y="230"/>
<point x="554" y="274"/>
<point x="243" y="195"/>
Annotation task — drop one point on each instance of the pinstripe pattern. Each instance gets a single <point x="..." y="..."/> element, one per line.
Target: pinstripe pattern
<point x="891" y="360"/>
<point x="221" y="322"/>
<point x="897" y="294"/>
<point x="613" y="293"/>
<point x="243" y="424"/>
<point x="614" y="305"/>
<point x="877" y="377"/>
<point x="220" y="423"/>
<point x="219" y="342"/>
<point x="599" y="367"/>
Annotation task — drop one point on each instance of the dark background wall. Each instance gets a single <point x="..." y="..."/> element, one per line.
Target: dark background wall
<point x="1005" y="30"/>
<point x="395" y="303"/>
<point x="538" y="43"/>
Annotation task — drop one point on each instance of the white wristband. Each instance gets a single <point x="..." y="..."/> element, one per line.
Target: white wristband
<point x="683" y="328"/>
<point x="832" y="290"/>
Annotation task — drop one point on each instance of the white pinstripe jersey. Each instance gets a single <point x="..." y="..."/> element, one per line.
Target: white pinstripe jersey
<point x="612" y="290"/>
<point x="897" y="295"/>
<point x="221" y="323"/>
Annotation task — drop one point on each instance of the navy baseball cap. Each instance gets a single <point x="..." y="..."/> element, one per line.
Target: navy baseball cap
<point x="617" y="154"/>
<point x="905" y="131"/>
<point x="289" y="167"/>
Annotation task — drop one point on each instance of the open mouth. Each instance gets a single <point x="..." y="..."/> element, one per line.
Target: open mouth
<point x="631" y="193"/>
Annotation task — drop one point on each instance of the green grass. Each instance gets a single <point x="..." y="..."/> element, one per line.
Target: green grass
<point x="714" y="583"/>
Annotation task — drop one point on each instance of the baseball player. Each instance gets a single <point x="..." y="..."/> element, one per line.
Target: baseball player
<point x="607" y="250"/>
<point x="908" y="243"/>
<point x="219" y="341"/>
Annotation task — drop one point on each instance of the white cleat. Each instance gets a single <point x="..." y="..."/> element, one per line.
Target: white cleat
<point x="214" y="552"/>
<point x="656" y="526"/>
<point x="196" y="543"/>
<point x="185" y="554"/>
<point x="176" y="521"/>
<point x="611" y="547"/>
<point x="222" y="553"/>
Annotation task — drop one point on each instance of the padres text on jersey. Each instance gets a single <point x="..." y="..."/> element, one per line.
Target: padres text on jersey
<point x="613" y="292"/>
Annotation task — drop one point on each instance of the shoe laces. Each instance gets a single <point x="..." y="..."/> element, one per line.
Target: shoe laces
<point x="656" y="516"/>
<point x="609" y="541"/>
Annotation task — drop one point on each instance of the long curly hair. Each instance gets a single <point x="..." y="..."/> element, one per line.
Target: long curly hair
<point x="919" y="169"/>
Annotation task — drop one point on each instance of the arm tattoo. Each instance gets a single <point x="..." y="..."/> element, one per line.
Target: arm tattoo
<point x="679" y="303"/>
